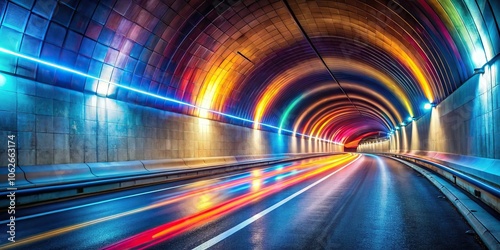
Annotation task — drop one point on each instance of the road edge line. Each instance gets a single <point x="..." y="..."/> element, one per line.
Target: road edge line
<point x="481" y="230"/>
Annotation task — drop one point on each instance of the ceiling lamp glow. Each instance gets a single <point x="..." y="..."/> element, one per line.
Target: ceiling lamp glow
<point x="479" y="58"/>
<point x="428" y="106"/>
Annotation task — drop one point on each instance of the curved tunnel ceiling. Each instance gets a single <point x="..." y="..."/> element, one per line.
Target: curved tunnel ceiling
<point x="250" y="59"/>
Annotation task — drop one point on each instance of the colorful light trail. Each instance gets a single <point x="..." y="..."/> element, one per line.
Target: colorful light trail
<point x="169" y="230"/>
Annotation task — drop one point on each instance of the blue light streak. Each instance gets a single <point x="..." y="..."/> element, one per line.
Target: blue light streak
<point x="76" y="72"/>
<point x="239" y="188"/>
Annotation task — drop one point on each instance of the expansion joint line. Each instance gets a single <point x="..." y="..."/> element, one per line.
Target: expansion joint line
<point x="318" y="54"/>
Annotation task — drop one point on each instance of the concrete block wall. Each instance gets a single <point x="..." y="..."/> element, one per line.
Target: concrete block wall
<point x="54" y="125"/>
<point x="465" y="123"/>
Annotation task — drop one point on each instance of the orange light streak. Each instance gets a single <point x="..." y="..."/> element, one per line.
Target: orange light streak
<point x="169" y="230"/>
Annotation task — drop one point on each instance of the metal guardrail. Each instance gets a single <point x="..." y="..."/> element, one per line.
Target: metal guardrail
<point x="52" y="187"/>
<point x="480" y="184"/>
<point x="484" y="222"/>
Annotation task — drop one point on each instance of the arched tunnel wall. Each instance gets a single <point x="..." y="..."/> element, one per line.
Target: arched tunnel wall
<point x="56" y="126"/>
<point x="465" y="123"/>
<point x="287" y="64"/>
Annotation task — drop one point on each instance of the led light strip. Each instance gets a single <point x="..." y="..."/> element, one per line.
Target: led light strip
<point x="155" y="95"/>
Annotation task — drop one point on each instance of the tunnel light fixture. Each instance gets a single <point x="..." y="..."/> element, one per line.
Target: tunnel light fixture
<point x="479" y="71"/>
<point x="481" y="62"/>
<point x="397" y="127"/>
<point x="478" y="58"/>
<point x="76" y="72"/>
<point x="403" y="124"/>
<point x="429" y="105"/>
<point x="410" y="119"/>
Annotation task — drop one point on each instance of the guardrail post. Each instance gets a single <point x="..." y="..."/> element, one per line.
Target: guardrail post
<point x="477" y="193"/>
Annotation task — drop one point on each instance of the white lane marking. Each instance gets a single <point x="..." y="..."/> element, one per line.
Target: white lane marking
<point x="106" y="201"/>
<point x="257" y="216"/>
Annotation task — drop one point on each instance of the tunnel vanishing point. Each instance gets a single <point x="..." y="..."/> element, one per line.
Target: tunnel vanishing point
<point x="95" y="90"/>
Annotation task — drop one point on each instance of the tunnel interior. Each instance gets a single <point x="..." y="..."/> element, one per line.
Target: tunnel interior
<point x="267" y="124"/>
<point x="93" y="81"/>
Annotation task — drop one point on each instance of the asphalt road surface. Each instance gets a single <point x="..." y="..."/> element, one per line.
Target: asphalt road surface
<point x="348" y="201"/>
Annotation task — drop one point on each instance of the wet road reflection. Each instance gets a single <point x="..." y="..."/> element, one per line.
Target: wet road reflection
<point x="348" y="201"/>
<point x="191" y="205"/>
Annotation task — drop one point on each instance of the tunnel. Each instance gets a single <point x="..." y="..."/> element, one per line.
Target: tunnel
<point x="267" y="124"/>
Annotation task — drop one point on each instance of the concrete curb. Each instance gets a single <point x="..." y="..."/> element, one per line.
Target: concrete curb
<point x="481" y="224"/>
